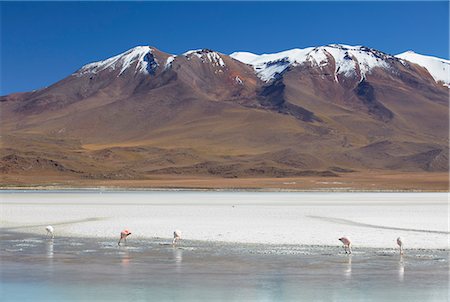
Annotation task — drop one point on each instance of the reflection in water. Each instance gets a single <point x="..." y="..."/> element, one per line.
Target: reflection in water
<point x="401" y="269"/>
<point x="49" y="254"/>
<point x="125" y="256"/>
<point x="49" y="248"/>
<point x="348" y="267"/>
<point x="126" y="268"/>
<point x="178" y="257"/>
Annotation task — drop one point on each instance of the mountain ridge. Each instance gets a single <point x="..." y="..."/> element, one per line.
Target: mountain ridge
<point x="320" y="112"/>
<point x="295" y="56"/>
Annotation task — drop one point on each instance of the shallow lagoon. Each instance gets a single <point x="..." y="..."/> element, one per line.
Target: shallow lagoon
<point x="217" y="267"/>
<point x="76" y="269"/>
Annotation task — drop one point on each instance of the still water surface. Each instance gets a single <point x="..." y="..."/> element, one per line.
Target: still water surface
<point x="72" y="269"/>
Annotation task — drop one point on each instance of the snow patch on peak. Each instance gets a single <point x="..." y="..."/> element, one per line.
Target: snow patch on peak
<point x="268" y="66"/>
<point x="245" y="57"/>
<point x="206" y="55"/>
<point x="196" y="52"/>
<point x="438" y="68"/>
<point x="141" y="55"/>
<point x="169" y="62"/>
<point x="408" y="51"/>
<point x="348" y="59"/>
<point x="215" y="58"/>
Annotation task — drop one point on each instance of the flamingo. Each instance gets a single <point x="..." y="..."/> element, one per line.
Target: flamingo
<point x="400" y="244"/>
<point x="347" y="244"/>
<point x="176" y="236"/>
<point x="50" y="231"/>
<point x="123" y="235"/>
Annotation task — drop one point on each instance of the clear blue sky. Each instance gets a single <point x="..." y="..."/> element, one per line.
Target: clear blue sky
<point x="43" y="42"/>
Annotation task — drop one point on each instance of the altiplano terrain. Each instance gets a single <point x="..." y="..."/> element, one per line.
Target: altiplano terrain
<point x="350" y="117"/>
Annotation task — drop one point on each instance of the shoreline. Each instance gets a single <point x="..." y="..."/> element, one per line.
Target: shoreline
<point x="206" y="189"/>
<point x="371" y="181"/>
<point x="250" y="247"/>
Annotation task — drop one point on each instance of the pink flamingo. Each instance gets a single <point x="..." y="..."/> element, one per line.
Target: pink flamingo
<point x="347" y="244"/>
<point x="400" y="244"/>
<point x="176" y="236"/>
<point x="123" y="236"/>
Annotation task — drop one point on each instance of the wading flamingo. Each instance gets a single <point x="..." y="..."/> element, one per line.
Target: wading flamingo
<point x="176" y="236"/>
<point x="123" y="236"/>
<point x="347" y="244"/>
<point x="400" y="244"/>
<point x="50" y="231"/>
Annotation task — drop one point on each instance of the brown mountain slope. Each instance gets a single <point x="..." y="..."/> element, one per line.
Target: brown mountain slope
<point x="147" y="114"/>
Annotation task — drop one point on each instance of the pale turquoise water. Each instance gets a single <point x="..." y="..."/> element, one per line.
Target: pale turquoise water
<point x="67" y="269"/>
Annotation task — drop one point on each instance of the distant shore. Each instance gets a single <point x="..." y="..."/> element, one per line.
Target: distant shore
<point x="175" y="189"/>
<point x="373" y="181"/>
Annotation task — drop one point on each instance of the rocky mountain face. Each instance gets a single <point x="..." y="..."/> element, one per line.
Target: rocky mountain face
<point x="317" y="111"/>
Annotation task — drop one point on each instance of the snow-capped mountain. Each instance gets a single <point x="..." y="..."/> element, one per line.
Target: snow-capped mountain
<point x="206" y="55"/>
<point x="143" y="59"/>
<point x="438" y="68"/>
<point x="315" y="111"/>
<point x="140" y="57"/>
<point x="349" y="61"/>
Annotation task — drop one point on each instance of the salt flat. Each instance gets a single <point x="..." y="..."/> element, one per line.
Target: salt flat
<point x="368" y="219"/>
